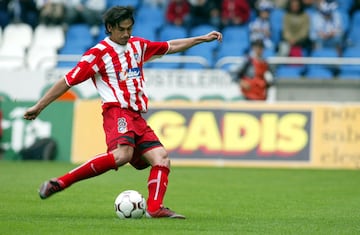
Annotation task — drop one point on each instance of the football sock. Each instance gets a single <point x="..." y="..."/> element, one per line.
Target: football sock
<point x="157" y="185"/>
<point x="96" y="166"/>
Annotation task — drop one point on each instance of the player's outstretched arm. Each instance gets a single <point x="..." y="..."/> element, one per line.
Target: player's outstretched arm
<point x="182" y="44"/>
<point x="59" y="88"/>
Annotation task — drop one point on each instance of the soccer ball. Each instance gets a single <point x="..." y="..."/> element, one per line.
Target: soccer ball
<point x="130" y="204"/>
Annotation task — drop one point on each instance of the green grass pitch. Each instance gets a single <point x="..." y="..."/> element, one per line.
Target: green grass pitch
<point x="215" y="200"/>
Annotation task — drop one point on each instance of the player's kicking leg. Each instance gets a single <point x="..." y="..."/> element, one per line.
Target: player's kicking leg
<point x="48" y="188"/>
<point x="91" y="168"/>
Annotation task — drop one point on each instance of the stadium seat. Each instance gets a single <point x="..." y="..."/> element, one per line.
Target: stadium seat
<point x="41" y="58"/>
<point x="229" y="50"/>
<point x="78" y="39"/>
<point x="350" y="71"/>
<point x="345" y="21"/>
<point x="150" y="17"/>
<point x="132" y="3"/>
<point x="353" y="38"/>
<point x="345" y="5"/>
<point x="148" y="34"/>
<point x="169" y="32"/>
<point x="17" y="35"/>
<point x="12" y="58"/>
<point x="79" y="36"/>
<point x="276" y="19"/>
<point x="236" y="35"/>
<point x="318" y="71"/>
<point x="102" y="34"/>
<point x="204" y="50"/>
<point x="268" y="52"/>
<point x="289" y="72"/>
<point x="49" y="36"/>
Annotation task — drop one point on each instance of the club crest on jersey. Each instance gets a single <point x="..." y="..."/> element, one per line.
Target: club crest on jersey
<point x="132" y="73"/>
<point x="122" y="125"/>
<point x="137" y="57"/>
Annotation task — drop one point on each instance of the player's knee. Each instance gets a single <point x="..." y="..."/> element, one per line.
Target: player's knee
<point x="164" y="160"/>
<point x="158" y="156"/>
<point x="122" y="155"/>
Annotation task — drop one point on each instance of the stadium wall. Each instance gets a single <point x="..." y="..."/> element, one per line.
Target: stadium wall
<point x="316" y="135"/>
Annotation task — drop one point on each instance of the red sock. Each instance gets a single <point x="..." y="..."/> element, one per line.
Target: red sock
<point x="157" y="185"/>
<point x="96" y="166"/>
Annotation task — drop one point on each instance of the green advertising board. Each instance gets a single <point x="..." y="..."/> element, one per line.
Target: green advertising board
<point x="56" y="121"/>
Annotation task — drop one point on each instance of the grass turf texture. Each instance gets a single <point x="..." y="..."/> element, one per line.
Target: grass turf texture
<point x="215" y="201"/>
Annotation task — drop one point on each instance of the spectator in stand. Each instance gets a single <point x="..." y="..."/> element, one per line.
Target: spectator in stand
<point x="234" y="12"/>
<point x="85" y="11"/>
<point x="24" y="11"/>
<point x="52" y="12"/>
<point x="204" y="12"/>
<point x="260" y="28"/>
<point x="254" y="76"/>
<point x="177" y="12"/>
<point x="4" y="13"/>
<point x="296" y="28"/>
<point x="327" y="27"/>
<point x="355" y="7"/>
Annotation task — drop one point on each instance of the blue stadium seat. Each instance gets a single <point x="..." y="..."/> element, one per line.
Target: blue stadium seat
<point x="78" y="37"/>
<point x="230" y="49"/>
<point x="318" y="71"/>
<point x="150" y="17"/>
<point x="225" y="50"/>
<point x="276" y="19"/>
<point x="102" y="34"/>
<point x="345" y="20"/>
<point x="169" y="32"/>
<point x="148" y="34"/>
<point x="268" y="52"/>
<point x="345" y="5"/>
<point x="354" y="32"/>
<point x="202" y="50"/>
<point x="350" y="71"/>
<point x="289" y="71"/>
<point x="236" y="35"/>
<point x="133" y="3"/>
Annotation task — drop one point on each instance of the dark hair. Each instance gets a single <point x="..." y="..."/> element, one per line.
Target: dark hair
<point x="258" y="42"/>
<point x="301" y="6"/>
<point x="117" y="14"/>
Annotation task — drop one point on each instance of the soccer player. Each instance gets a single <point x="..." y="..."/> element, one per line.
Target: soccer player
<point x="115" y="67"/>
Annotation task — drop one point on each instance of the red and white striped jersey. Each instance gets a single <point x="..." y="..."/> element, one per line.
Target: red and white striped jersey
<point x="116" y="71"/>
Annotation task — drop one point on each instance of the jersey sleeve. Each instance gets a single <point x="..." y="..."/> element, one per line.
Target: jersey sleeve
<point x="86" y="68"/>
<point x="155" y="49"/>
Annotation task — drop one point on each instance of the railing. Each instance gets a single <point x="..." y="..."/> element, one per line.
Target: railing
<point x="294" y="60"/>
<point x="225" y="60"/>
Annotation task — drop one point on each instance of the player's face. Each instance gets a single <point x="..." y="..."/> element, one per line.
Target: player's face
<point x="121" y="32"/>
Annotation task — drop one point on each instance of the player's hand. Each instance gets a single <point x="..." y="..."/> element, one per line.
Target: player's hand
<point x="214" y="35"/>
<point x="32" y="112"/>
